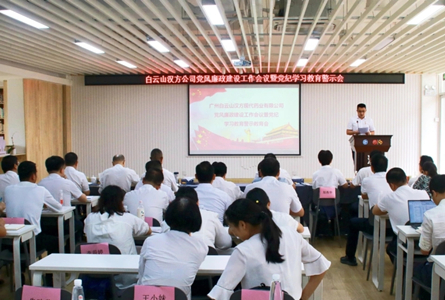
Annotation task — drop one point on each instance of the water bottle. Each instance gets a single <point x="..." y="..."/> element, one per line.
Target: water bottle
<point x="77" y="290"/>
<point x="61" y="196"/>
<point x="141" y="211"/>
<point x="176" y="177"/>
<point x="275" y="288"/>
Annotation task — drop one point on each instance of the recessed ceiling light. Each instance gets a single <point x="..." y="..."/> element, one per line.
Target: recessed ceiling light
<point x="89" y="47"/>
<point x="302" y="62"/>
<point x="158" y="46"/>
<point x="181" y="63"/>
<point x="213" y="14"/>
<point x="358" y="62"/>
<point x="311" y="44"/>
<point x="228" y="45"/>
<point x="127" y="64"/>
<point x="426" y="14"/>
<point x="22" y="18"/>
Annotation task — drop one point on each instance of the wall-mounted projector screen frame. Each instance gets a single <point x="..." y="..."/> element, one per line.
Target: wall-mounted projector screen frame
<point x="244" y="120"/>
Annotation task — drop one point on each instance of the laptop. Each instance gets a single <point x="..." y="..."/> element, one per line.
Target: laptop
<point x="416" y="209"/>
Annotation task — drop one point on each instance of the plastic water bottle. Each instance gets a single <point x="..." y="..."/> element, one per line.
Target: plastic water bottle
<point x="141" y="211"/>
<point x="61" y="197"/>
<point x="275" y="288"/>
<point x="77" y="290"/>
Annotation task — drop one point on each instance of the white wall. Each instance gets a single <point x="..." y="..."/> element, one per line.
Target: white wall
<point x="131" y="120"/>
<point x="16" y="115"/>
<point x="430" y="113"/>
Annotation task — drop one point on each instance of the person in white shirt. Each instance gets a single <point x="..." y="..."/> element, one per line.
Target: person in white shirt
<point x="423" y="159"/>
<point x="10" y="164"/>
<point x="395" y="204"/>
<point x="373" y="188"/>
<point x="365" y="171"/>
<point x="327" y="176"/>
<point x="173" y="258"/>
<point x="71" y="172"/>
<point x="154" y="200"/>
<point x="26" y="200"/>
<point x="283" y="197"/>
<point x="111" y="224"/>
<point x="260" y="197"/>
<point x="360" y="122"/>
<point x="118" y="175"/>
<point x="433" y="229"/>
<point x="284" y="175"/>
<point x="210" y="198"/>
<point x="266" y="250"/>
<point x="221" y="183"/>
<point x="154" y="164"/>
<point x="169" y="177"/>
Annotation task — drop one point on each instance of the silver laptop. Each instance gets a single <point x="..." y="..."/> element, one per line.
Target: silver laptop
<point x="416" y="209"/>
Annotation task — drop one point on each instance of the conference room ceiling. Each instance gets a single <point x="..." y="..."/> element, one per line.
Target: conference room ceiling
<point x="269" y="33"/>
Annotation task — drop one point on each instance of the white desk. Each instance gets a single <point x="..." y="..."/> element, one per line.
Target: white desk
<point x="306" y="233"/>
<point x="65" y="214"/>
<point x="378" y="255"/>
<point x="407" y="235"/>
<point x="21" y="235"/>
<point x="363" y="212"/>
<point x="91" y="202"/>
<point x="438" y="272"/>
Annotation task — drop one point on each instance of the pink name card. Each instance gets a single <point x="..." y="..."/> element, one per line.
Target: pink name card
<point x="254" y="295"/>
<point x="100" y="248"/>
<point x="146" y="292"/>
<point x="149" y="221"/>
<point x="14" y="220"/>
<point x="35" y="293"/>
<point x="327" y="192"/>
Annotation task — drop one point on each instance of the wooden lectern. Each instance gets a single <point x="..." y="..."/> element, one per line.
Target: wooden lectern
<point x="362" y="145"/>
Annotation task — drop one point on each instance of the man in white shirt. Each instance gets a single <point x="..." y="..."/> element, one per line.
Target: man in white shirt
<point x="395" y="204"/>
<point x="284" y="175"/>
<point x="210" y="198"/>
<point x="327" y="176"/>
<point x="169" y="177"/>
<point x="26" y="200"/>
<point x="154" y="164"/>
<point x="221" y="183"/>
<point x="283" y="197"/>
<point x="71" y="172"/>
<point x="118" y="175"/>
<point x="360" y="123"/>
<point x="155" y="201"/>
<point x="10" y="164"/>
<point x="365" y="171"/>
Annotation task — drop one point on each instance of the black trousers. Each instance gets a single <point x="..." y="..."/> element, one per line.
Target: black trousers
<point x="423" y="272"/>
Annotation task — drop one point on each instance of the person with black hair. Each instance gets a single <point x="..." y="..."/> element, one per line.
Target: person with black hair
<point x="71" y="173"/>
<point x="284" y="175"/>
<point x="260" y="197"/>
<point x="326" y="175"/>
<point x="173" y="258"/>
<point x="10" y="164"/>
<point x="423" y="159"/>
<point x="111" y="224"/>
<point x="360" y="122"/>
<point x="221" y="183"/>
<point x="57" y="182"/>
<point x="155" y="164"/>
<point x="154" y="200"/>
<point x="429" y="171"/>
<point x="365" y="171"/>
<point x="433" y="228"/>
<point x="395" y="204"/>
<point x="210" y="198"/>
<point x="283" y="197"/>
<point x="266" y="250"/>
<point x="118" y="175"/>
<point x="169" y="177"/>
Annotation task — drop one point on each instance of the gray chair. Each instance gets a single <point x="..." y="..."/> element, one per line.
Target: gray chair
<point x="237" y="294"/>
<point x="318" y="203"/>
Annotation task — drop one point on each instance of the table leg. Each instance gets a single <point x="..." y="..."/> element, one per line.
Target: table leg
<point x="382" y="245"/>
<point x="375" y="254"/>
<point x="89" y="208"/>
<point x="435" y="284"/>
<point x="60" y="231"/>
<point x="360" y="252"/>
<point x="17" y="263"/>
<point x="32" y="250"/>
<point x="399" y="274"/>
<point x="58" y="280"/>
<point x="37" y="278"/>
<point x="409" y="269"/>
<point x="72" y="235"/>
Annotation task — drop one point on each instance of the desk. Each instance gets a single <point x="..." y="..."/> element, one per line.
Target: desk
<point x="65" y="214"/>
<point x="438" y="272"/>
<point x="91" y="202"/>
<point x="23" y="234"/>
<point x="94" y="189"/>
<point x="306" y="233"/>
<point x="378" y="255"/>
<point x="363" y="212"/>
<point x="407" y="235"/>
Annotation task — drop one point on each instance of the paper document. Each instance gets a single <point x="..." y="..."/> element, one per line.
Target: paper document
<point x="363" y="130"/>
<point x="14" y="226"/>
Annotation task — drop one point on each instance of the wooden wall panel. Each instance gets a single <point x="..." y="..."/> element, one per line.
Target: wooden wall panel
<point x="66" y="119"/>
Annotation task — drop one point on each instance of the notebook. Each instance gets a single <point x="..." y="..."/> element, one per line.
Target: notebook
<point x="416" y="209"/>
<point x="14" y="226"/>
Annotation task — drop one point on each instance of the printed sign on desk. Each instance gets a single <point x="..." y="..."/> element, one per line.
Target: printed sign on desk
<point x="145" y="292"/>
<point x="35" y="293"/>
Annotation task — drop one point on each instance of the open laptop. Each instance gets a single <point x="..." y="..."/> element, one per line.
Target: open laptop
<point x="416" y="209"/>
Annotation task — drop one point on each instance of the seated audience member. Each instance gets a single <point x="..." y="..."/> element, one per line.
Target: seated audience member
<point x="395" y="204"/>
<point x="423" y="159"/>
<point x="260" y="197"/>
<point x="266" y="250"/>
<point x="373" y="188"/>
<point x="71" y="172"/>
<point x="221" y="183"/>
<point x="327" y="176"/>
<point x="169" y="177"/>
<point x="55" y="182"/>
<point x="365" y="171"/>
<point x="10" y="164"/>
<point x="118" y="175"/>
<point x="433" y="229"/>
<point x="423" y="182"/>
<point x="284" y="175"/>
<point x="173" y="258"/>
<point x="26" y="200"/>
<point x="154" y="164"/>
<point x="283" y="197"/>
<point x="210" y="198"/>
<point x="154" y="200"/>
<point x="111" y="224"/>
<point x="260" y="176"/>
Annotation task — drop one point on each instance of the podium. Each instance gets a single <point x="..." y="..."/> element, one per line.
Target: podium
<point x="362" y="145"/>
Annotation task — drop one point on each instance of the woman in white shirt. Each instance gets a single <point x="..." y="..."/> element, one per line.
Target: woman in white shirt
<point x="260" y="197"/>
<point x="173" y="258"/>
<point x="266" y="250"/>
